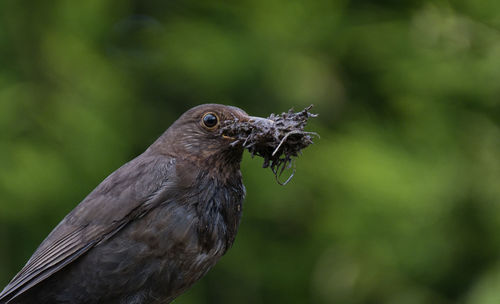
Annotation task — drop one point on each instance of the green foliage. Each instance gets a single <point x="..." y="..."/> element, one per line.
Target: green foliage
<point x="398" y="202"/>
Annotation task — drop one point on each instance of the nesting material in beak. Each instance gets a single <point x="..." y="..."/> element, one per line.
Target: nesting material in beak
<point x="276" y="138"/>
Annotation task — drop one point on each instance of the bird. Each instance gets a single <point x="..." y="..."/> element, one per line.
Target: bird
<point x="152" y="228"/>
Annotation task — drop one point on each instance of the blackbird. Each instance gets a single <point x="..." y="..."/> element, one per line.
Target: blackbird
<point x="152" y="228"/>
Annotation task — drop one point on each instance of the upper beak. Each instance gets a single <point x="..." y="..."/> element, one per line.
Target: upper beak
<point x="254" y="121"/>
<point x="260" y="120"/>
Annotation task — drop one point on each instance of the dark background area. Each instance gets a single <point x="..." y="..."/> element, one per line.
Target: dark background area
<point x="398" y="202"/>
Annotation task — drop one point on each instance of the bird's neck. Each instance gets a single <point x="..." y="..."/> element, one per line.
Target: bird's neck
<point x="216" y="193"/>
<point x="219" y="211"/>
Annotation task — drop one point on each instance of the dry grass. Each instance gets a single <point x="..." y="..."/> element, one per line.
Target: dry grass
<point x="277" y="141"/>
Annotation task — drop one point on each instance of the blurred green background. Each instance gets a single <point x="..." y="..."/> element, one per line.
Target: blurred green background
<point x="398" y="202"/>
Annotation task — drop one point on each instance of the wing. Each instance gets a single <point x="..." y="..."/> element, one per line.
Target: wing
<point x="127" y="193"/>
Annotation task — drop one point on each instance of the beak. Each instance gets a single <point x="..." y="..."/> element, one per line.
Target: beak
<point x="260" y="120"/>
<point x="255" y="122"/>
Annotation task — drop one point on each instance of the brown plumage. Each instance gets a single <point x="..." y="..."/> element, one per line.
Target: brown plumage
<point x="150" y="229"/>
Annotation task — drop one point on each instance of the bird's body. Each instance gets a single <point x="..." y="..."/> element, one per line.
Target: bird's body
<point x="149" y="230"/>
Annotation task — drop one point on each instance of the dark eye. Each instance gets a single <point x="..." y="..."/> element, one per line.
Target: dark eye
<point x="210" y="120"/>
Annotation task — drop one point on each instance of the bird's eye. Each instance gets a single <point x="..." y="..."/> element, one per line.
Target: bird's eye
<point x="210" y="120"/>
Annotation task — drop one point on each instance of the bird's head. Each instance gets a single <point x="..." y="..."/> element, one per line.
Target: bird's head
<point x="197" y="135"/>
